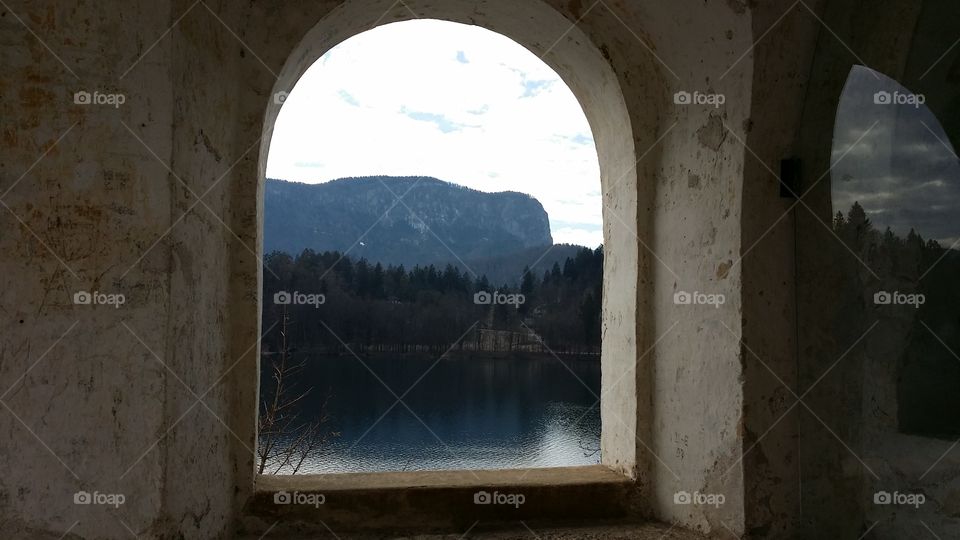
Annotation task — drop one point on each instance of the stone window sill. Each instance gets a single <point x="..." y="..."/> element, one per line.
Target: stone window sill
<point x="438" y="501"/>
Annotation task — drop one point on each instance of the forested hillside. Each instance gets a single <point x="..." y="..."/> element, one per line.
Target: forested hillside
<point x="332" y="301"/>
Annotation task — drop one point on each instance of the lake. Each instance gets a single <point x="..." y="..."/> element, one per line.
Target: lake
<point x="463" y="413"/>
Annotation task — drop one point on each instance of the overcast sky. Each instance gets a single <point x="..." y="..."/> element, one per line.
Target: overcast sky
<point x="456" y="102"/>
<point x="904" y="172"/>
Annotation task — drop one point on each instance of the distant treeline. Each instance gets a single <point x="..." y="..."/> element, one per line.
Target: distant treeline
<point x="909" y="285"/>
<point x="905" y="257"/>
<point x="332" y="301"/>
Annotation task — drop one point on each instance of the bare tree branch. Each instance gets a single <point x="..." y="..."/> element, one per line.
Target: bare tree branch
<point x="284" y="441"/>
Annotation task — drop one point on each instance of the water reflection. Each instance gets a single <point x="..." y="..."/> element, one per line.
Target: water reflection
<point x="470" y="413"/>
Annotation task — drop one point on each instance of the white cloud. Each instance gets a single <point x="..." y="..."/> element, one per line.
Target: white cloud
<point x="452" y="101"/>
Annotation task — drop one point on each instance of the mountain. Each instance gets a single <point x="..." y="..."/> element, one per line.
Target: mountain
<point x="435" y="222"/>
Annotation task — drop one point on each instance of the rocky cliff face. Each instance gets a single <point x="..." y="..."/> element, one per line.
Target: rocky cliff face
<point x="432" y="222"/>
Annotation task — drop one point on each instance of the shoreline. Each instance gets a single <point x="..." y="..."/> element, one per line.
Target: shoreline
<point x="457" y="355"/>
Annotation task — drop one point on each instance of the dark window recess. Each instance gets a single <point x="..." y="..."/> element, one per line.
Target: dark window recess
<point x="896" y="205"/>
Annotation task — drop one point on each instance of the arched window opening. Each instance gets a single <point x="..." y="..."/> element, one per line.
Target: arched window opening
<point x="433" y="261"/>
<point x="896" y="203"/>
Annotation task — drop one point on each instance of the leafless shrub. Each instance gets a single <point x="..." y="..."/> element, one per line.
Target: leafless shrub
<point x="285" y="440"/>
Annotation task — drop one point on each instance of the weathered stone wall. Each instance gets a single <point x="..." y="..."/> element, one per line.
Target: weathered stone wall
<point x="850" y="447"/>
<point x="768" y="352"/>
<point x="83" y="398"/>
<point x="174" y="176"/>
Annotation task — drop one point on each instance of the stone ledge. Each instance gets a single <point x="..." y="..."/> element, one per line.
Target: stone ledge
<point x="555" y="476"/>
<point x="528" y="531"/>
<point x="435" y="501"/>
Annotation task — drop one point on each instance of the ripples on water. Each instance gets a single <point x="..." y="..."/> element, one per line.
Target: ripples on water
<point x="463" y="414"/>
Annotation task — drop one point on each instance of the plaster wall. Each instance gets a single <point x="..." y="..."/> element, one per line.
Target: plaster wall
<point x="160" y="199"/>
<point x="83" y="398"/>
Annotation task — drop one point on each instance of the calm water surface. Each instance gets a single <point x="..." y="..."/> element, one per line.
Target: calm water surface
<point x="456" y="413"/>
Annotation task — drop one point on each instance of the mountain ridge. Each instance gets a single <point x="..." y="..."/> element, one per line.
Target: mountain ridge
<point x="402" y="220"/>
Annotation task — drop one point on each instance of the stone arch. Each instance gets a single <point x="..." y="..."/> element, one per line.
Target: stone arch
<point x="672" y="181"/>
<point x="583" y="68"/>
